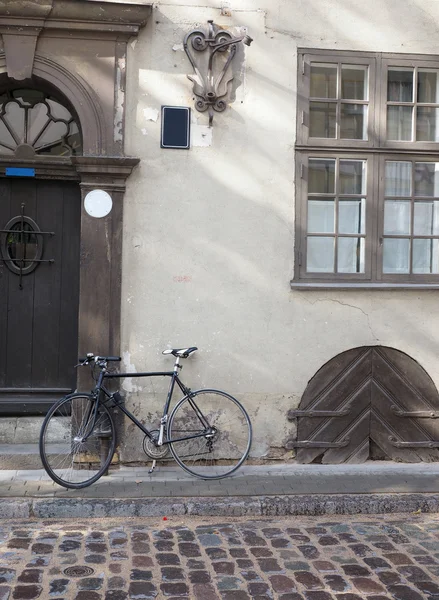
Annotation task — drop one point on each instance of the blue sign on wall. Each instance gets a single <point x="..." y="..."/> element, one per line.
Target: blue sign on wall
<point x="175" y="127"/>
<point x="19" y="172"/>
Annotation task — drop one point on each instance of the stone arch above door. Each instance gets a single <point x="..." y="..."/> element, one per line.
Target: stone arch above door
<point x="368" y="402"/>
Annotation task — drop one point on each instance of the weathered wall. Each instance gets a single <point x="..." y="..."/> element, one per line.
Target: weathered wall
<point x="209" y="232"/>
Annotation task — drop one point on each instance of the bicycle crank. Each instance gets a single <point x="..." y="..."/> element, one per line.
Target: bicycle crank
<point x="152" y="450"/>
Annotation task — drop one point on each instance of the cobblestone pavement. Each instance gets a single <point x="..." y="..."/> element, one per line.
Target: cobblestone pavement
<point x="285" y="558"/>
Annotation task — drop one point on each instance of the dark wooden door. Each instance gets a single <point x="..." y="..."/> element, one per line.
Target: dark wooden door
<point x="39" y="292"/>
<point x="368" y="402"/>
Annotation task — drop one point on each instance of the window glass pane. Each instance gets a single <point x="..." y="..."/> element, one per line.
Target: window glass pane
<point x="354" y="82"/>
<point x="28" y="97"/>
<point x="321" y="176"/>
<point x="6" y="139"/>
<point x="58" y="110"/>
<point x="353" y="122"/>
<point x="74" y="138"/>
<point x="321" y="215"/>
<point x="14" y="117"/>
<point x="352" y="177"/>
<point x="400" y="84"/>
<point x="399" y="123"/>
<point x="352" y="215"/>
<point x="427" y="179"/>
<point x="428" y="86"/>
<point x="427" y="124"/>
<point x="350" y="256"/>
<point x="320" y="255"/>
<point x="397" y="217"/>
<point x="322" y="117"/>
<point x="22" y="248"/>
<point x="396" y="255"/>
<point x="323" y="80"/>
<point x="426" y="219"/>
<point x="425" y="256"/>
<point x="398" y="178"/>
<point x="52" y="136"/>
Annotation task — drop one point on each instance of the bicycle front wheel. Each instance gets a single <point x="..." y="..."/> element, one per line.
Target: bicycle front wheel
<point x="77" y="441"/>
<point x="210" y="434"/>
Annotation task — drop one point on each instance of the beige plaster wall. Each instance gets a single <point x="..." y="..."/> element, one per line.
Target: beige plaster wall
<point x="209" y="232"/>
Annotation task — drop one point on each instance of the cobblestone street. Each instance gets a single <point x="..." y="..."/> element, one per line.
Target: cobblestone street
<point x="285" y="558"/>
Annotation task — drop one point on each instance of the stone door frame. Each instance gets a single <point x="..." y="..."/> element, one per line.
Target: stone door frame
<point x="34" y="35"/>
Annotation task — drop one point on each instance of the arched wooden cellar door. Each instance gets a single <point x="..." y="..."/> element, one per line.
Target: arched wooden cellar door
<point x="368" y="403"/>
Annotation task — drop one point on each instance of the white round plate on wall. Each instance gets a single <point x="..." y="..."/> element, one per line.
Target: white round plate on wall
<point x="98" y="203"/>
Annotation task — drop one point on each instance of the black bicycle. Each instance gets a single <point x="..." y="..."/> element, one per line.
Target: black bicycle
<point x="208" y="432"/>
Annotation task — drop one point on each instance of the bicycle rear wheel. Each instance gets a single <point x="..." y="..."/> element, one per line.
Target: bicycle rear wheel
<point x="221" y="431"/>
<point x="76" y="444"/>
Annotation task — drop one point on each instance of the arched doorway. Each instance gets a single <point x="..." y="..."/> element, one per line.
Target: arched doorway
<point x="40" y="221"/>
<point x="368" y="403"/>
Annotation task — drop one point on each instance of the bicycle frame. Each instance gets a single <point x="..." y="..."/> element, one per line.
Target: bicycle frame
<point x="104" y="374"/>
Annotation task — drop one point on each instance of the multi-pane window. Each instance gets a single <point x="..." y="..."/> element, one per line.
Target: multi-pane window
<point x="336" y="210"/>
<point x="368" y="175"/>
<point x="411" y="217"/>
<point x="338" y="101"/>
<point x="412" y="104"/>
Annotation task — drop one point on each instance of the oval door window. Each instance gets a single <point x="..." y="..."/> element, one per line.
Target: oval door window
<point x="21" y="246"/>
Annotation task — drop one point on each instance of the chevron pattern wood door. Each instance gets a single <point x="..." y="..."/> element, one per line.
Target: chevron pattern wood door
<point x="374" y="395"/>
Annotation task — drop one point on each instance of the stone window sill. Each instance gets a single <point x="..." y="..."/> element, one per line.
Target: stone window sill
<point x="313" y="285"/>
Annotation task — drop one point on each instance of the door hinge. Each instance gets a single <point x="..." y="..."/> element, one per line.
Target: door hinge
<point x="312" y="444"/>
<point x="415" y="414"/>
<point x="425" y="444"/>
<point x="317" y="414"/>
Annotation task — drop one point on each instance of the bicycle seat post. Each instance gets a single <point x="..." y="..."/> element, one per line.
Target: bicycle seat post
<point x="177" y="364"/>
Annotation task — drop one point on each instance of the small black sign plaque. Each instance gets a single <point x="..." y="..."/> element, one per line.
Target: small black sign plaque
<point x="176" y="122"/>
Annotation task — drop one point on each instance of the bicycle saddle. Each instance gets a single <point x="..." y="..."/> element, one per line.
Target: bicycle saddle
<point x="181" y="352"/>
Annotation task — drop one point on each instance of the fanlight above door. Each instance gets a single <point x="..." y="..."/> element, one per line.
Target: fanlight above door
<point x="30" y="118"/>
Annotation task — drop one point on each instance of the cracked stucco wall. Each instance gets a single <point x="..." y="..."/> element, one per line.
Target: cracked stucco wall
<point x="209" y="232"/>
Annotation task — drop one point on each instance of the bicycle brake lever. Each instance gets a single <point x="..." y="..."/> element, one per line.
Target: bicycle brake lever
<point x="85" y="361"/>
<point x="81" y="364"/>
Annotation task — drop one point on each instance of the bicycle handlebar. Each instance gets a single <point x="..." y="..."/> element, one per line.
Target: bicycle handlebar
<point x="92" y="358"/>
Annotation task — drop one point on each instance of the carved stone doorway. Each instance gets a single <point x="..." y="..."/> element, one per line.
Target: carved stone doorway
<point x="369" y="402"/>
<point x="76" y="53"/>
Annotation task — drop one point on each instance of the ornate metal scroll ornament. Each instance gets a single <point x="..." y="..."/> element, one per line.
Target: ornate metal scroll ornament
<point x="211" y="73"/>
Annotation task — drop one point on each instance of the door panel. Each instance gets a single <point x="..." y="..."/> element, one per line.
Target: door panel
<point x="368" y="394"/>
<point x="39" y="310"/>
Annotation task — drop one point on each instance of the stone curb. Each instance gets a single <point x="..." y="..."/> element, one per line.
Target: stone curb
<point x="254" y="506"/>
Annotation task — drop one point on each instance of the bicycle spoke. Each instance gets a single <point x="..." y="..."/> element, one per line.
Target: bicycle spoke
<point x="219" y="448"/>
<point x="76" y="444"/>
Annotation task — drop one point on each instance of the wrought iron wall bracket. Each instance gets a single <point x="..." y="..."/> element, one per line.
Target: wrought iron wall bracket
<point x="212" y="76"/>
<point x="425" y="444"/>
<point x="415" y="414"/>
